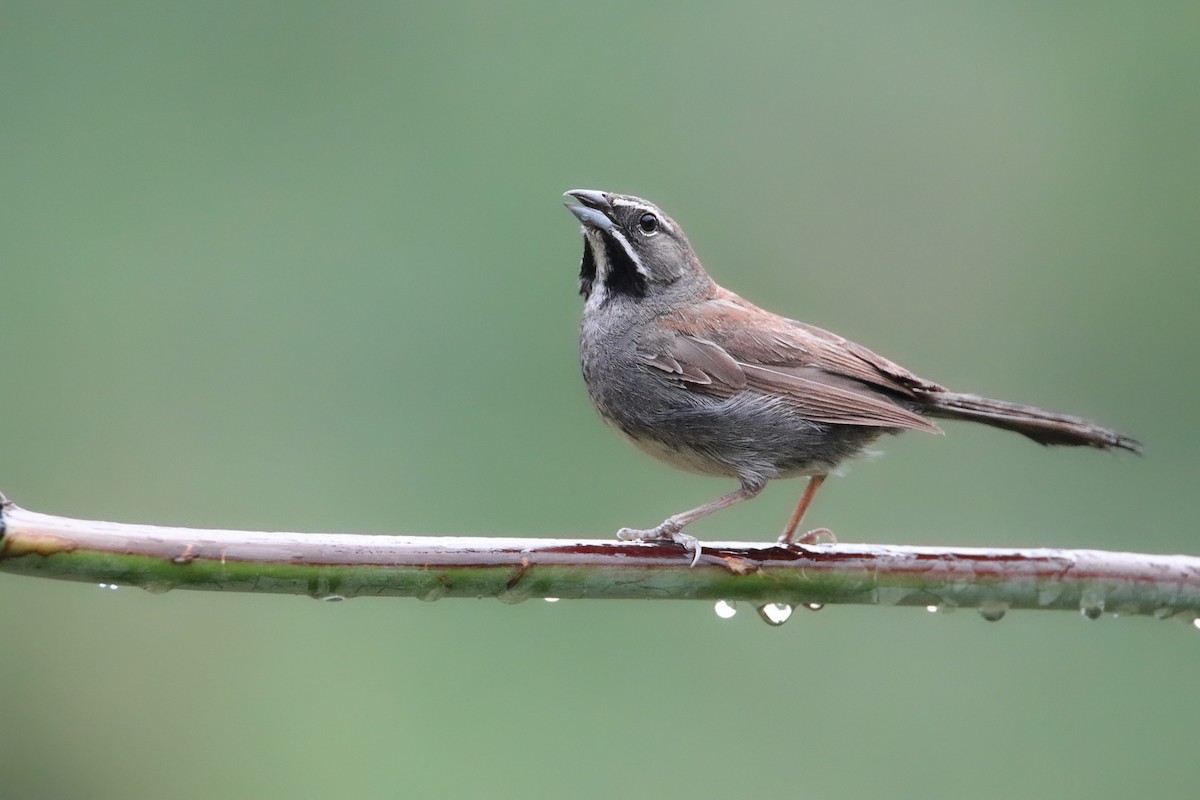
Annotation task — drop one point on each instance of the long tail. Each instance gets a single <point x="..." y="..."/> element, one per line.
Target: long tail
<point x="1044" y="427"/>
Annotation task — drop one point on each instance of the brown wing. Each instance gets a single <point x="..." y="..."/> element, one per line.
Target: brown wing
<point x="725" y="344"/>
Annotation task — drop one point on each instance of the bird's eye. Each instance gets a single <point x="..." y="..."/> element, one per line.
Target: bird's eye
<point x="648" y="224"/>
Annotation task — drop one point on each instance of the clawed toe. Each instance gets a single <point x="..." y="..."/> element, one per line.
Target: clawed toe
<point x="689" y="543"/>
<point x="815" y="536"/>
<point x="633" y="535"/>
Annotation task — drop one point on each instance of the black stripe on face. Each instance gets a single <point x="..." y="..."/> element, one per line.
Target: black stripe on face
<point x="587" y="268"/>
<point x="622" y="276"/>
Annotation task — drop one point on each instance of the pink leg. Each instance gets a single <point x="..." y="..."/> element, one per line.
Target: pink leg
<point x="814" y="483"/>
<point x="670" y="527"/>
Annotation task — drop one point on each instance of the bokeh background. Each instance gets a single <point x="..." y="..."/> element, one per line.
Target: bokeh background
<point x="300" y="265"/>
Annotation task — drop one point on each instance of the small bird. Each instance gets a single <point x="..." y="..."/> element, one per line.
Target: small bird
<point x="711" y="383"/>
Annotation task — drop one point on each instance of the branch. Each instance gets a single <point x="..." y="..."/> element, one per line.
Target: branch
<point x="335" y="566"/>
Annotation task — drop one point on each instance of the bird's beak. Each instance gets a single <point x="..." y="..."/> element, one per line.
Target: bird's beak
<point x="594" y="210"/>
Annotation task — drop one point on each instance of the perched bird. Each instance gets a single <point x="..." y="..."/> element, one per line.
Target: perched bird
<point x="711" y="383"/>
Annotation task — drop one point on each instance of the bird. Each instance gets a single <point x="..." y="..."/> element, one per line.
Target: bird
<point x="708" y="382"/>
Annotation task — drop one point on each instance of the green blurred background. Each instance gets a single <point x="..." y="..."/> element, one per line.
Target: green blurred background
<point x="291" y="265"/>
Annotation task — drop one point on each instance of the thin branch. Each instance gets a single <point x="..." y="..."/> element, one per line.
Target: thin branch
<point x="340" y="565"/>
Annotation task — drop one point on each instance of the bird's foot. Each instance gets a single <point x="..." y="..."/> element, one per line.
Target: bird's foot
<point x="667" y="530"/>
<point x="815" y="536"/>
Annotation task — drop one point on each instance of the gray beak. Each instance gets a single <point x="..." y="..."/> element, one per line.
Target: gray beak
<point x="594" y="208"/>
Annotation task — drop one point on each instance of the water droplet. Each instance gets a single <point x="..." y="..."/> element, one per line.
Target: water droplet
<point x="550" y="599"/>
<point x="775" y="613"/>
<point x="814" y="606"/>
<point x="890" y="595"/>
<point x="993" y="610"/>
<point x="434" y="593"/>
<point x="1048" y="594"/>
<point x="511" y="597"/>
<point x="1091" y="604"/>
<point x="332" y="598"/>
<point x="157" y="587"/>
<point x="944" y="607"/>
<point x="725" y="608"/>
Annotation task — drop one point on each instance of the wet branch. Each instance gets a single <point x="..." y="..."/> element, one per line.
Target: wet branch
<point x="339" y="565"/>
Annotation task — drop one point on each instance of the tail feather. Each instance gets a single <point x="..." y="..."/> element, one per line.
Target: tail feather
<point x="1044" y="427"/>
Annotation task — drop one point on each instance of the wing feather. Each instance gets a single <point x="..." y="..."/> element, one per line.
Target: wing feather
<point x="725" y="345"/>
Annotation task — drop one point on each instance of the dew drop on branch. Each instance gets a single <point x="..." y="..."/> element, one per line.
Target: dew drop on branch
<point x="993" y="610"/>
<point x="725" y="608"/>
<point x="775" y="613"/>
<point x="1091" y="604"/>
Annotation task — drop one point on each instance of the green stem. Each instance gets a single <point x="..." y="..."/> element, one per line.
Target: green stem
<point x="337" y="566"/>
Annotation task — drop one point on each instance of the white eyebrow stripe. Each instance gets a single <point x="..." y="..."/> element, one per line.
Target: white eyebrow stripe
<point x="640" y="206"/>
<point x="662" y="218"/>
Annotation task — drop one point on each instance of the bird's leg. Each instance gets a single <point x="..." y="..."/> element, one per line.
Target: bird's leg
<point x="814" y="483"/>
<point x="670" y="527"/>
